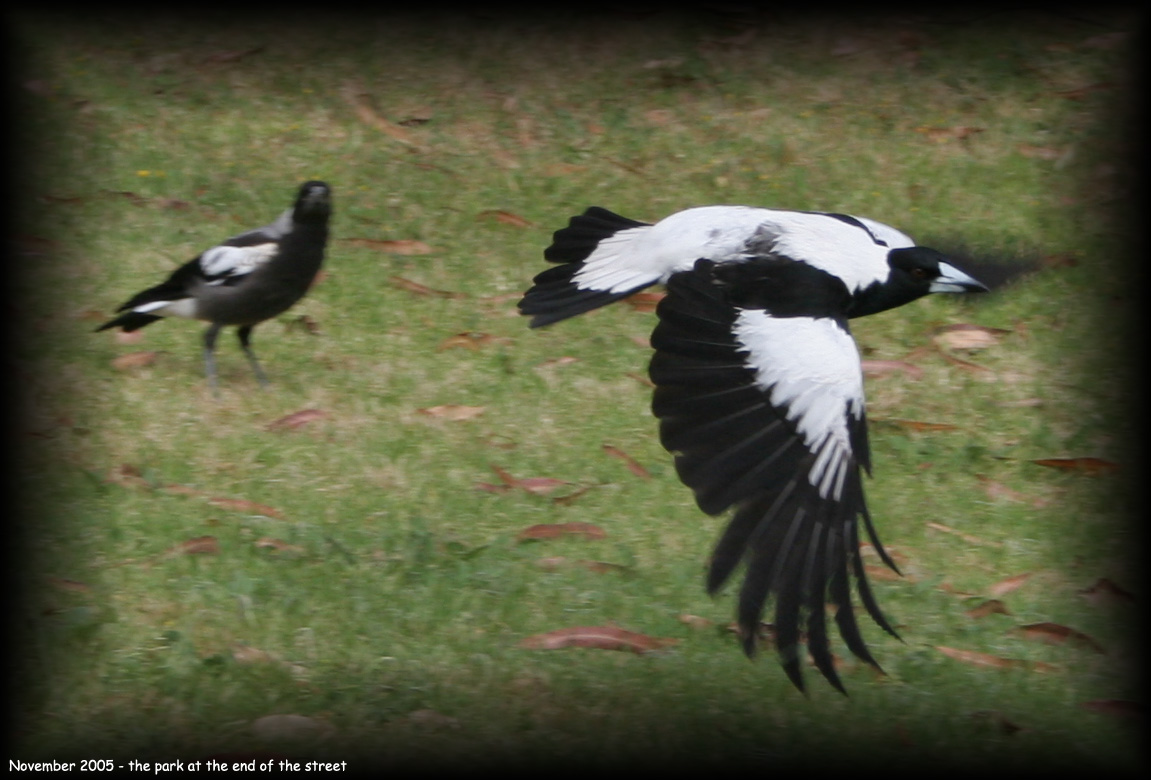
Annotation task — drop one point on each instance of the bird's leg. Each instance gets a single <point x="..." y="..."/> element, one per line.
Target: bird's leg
<point x="245" y="334"/>
<point x="209" y="355"/>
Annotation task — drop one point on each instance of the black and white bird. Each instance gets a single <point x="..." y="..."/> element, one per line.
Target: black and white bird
<point x="759" y="392"/>
<point x="603" y="257"/>
<point x="244" y="281"/>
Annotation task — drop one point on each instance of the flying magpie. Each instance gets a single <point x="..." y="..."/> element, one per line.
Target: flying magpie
<point x="759" y="389"/>
<point x="245" y="280"/>
<point x="603" y="257"/>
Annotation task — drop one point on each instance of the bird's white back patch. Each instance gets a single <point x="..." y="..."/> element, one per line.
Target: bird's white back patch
<point x="230" y="261"/>
<point x="810" y="368"/>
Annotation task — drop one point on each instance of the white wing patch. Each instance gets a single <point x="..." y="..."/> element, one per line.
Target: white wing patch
<point x="231" y="261"/>
<point x="809" y="367"/>
<point x="641" y="256"/>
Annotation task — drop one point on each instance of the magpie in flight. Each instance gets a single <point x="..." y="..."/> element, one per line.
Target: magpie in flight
<point x="245" y="280"/>
<point x="759" y="389"/>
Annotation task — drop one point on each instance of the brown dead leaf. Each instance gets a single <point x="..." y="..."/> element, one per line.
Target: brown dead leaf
<point x="366" y="113"/>
<point x="278" y="546"/>
<point x="397" y="246"/>
<point x="129" y="337"/>
<point x="505" y="218"/>
<point x="644" y="301"/>
<point x="453" y="412"/>
<point x="244" y="505"/>
<point x="965" y="537"/>
<point x="72" y="586"/>
<point x="536" y="485"/>
<point x="1089" y="466"/>
<point x="1120" y="707"/>
<point x="419" y="289"/>
<point x="556" y="530"/>
<point x="427" y="718"/>
<point x="695" y="621"/>
<point x="1040" y="152"/>
<point x="979" y="659"/>
<point x="916" y="425"/>
<point x="967" y="336"/>
<point x="127" y="475"/>
<point x="881" y="368"/>
<point x="1105" y="591"/>
<point x="296" y="420"/>
<point x="1003" y="587"/>
<point x="998" y="721"/>
<point x="989" y="607"/>
<point x="556" y="562"/>
<point x="944" y="134"/>
<point x="199" y="545"/>
<point x="632" y="464"/>
<point x="290" y="728"/>
<point x="998" y="491"/>
<point x="1056" y="634"/>
<point x="884" y="574"/>
<point x="471" y="340"/>
<point x="599" y="637"/>
<point x="135" y="360"/>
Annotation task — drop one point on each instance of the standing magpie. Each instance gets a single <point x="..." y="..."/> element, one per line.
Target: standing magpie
<point x="759" y="389"/>
<point x="245" y="280"/>
<point x="603" y="257"/>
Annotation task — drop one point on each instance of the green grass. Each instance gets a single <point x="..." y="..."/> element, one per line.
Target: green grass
<point x="401" y="587"/>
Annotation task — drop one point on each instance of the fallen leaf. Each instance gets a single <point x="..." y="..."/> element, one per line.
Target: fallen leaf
<point x="695" y="621"/>
<point x="290" y="728"/>
<point x="644" y="301"/>
<point x="431" y="719"/>
<point x="74" y="586"/>
<point x="989" y="607"/>
<point x="278" y="546"/>
<point x="1120" y="707"/>
<point x="556" y="530"/>
<point x="296" y="420"/>
<point x="128" y="475"/>
<point x="360" y="103"/>
<point x="233" y="55"/>
<point x="555" y="562"/>
<point x="998" y="720"/>
<point x="1056" y="634"/>
<point x="1039" y="152"/>
<point x="944" y="134"/>
<point x="471" y="340"/>
<point x="884" y="574"/>
<point x="915" y="425"/>
<point x="1104" y="590"/>
<point x="536" y="485"/>
<point x="134" y="360"/>
<point x="599" y="637"/>
<point x="632" y="464"/>
<point x="881" y="368"/>
<point x="969" y="337"/>
<point x="200" y="545"/>
<point x="397" y="246"/>
<point x="1092" y="467"/>
<point x="998" y="491"/>
<point x="418" y="289"/>
<point x="453" y="412"/>
<point x="505" y="217"/>
<point x="978" y="659"/>
<point x="244" y="505"/>
<point x="965" y="537"/>
<point x="1003" y="587"/>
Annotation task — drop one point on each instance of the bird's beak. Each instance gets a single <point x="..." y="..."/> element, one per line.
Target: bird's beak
<point x="952" y="280"/>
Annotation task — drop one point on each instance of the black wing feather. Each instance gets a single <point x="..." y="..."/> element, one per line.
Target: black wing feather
<point x="735" y="449"/>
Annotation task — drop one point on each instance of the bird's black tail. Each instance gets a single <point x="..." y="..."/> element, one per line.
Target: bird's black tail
<point x="555" y="295"/>
<point x="129" y="321"/>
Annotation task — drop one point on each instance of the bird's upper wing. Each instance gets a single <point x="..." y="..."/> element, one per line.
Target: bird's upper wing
<point x="760" y="396"/>
<point x="240" y="255"/>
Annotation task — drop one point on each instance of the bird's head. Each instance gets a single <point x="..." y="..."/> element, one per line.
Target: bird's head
<point x="914" y="272"/>
<point x="314" y="202"/>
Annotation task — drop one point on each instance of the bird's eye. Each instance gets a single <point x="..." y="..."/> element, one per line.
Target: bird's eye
<point x="919" y="273"/>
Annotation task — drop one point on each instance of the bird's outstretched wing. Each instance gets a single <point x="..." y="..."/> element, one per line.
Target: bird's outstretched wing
<point x="761" y="401"/>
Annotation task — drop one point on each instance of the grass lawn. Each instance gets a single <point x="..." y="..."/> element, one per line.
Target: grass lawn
<point x="202" y="576"/>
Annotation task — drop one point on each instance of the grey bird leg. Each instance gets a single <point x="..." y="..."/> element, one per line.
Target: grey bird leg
<point x="245" y="334"/>
<point x="209" y="355"/>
